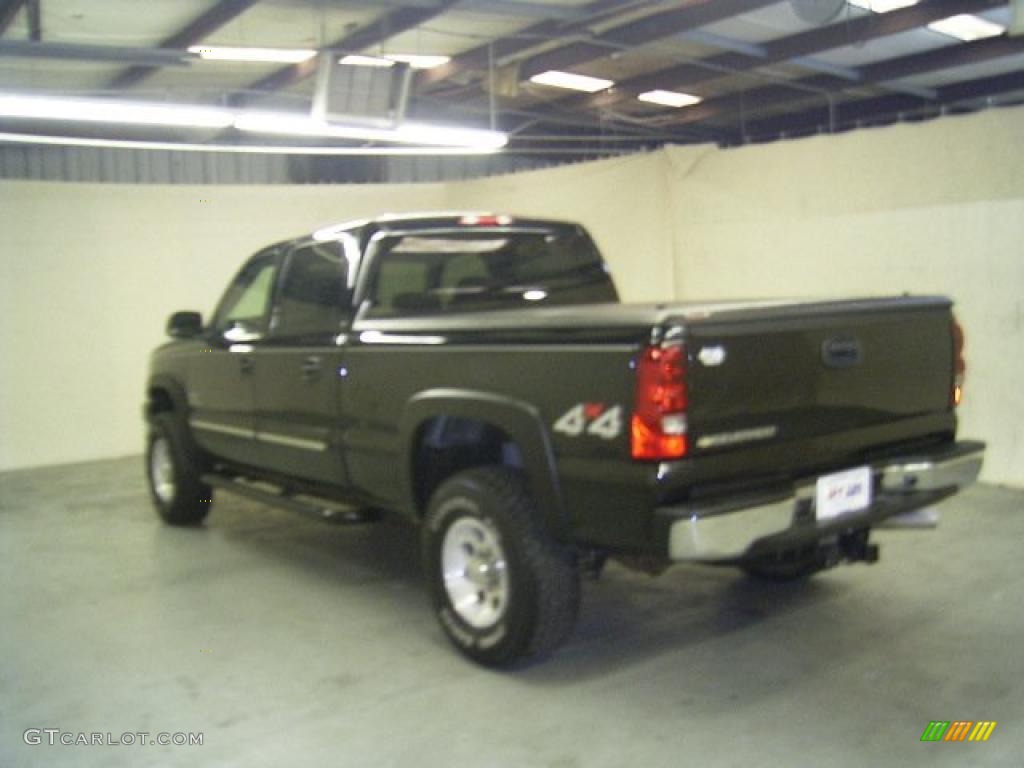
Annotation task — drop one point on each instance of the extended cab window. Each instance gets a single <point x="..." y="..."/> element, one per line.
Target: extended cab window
<point x="313" y="291"/>
<point x="244" y="312"/>
<point x="475" y="271"/>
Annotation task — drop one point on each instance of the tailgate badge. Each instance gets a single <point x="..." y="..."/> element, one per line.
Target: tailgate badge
<point x="711" y="356"/>
<point x="841" y="352"/>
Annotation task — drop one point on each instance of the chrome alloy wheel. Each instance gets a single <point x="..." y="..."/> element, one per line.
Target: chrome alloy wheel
<point x="161" y="470"/>
<point x="475" y="572"/>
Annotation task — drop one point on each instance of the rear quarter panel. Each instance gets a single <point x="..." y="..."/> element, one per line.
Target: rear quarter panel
<point x="602" y="490"/>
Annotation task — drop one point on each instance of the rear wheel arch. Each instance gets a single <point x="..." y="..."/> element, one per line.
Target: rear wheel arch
<point x="511" y="433"/>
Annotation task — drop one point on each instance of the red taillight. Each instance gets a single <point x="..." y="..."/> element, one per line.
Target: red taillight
<point x="658" y="428"/>
<point x="485" y="220"/>
<point x="959" y="364"/>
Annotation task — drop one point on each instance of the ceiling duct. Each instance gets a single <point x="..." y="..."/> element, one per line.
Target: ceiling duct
<point x="817" y="12"/>
<point x="361" y="89"/>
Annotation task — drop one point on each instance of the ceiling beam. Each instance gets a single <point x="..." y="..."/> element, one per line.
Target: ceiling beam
<point x="886" y="71"/>
<point x="695" y="14"/>
<point x="961" y="55"/>
<point x="841" y="34"/>
<point x="885" y="108"/>
<point x="479" y="58"/>
<point x="390" y="24"/>
<point x="192" y="33"/>
<point x="8" y="11"/>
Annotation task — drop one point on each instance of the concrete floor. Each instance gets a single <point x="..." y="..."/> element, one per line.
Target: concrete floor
<point x="286" y="641"/>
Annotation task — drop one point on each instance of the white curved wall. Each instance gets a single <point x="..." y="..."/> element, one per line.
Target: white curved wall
<point x="88" y="273"/>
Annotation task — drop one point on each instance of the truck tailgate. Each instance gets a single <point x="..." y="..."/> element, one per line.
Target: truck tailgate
<point x="791" y="372"/>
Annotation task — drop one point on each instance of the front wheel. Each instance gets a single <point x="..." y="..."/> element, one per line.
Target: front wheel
<point x="502" y="587"/>
<point x="172" y="470"/>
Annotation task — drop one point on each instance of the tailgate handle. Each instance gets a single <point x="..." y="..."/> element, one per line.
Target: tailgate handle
<point x="310" y="367"/>
<point x="841" y="352"/>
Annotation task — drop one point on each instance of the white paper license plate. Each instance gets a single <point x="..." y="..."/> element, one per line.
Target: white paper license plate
<point x="843" y="492"/>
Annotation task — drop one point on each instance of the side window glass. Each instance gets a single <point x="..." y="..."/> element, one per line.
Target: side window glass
<point x="402" y="287"/>
<point x="245" y="309"/>
<point x="465" y="281"/>
<point x="313" y="292"/>
<point x="252" y="301"/>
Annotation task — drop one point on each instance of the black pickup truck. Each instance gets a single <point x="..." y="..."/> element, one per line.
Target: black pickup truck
<point x="476" y="374"/>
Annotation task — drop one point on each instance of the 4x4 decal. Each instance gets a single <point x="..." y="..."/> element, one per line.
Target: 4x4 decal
<point x="592" y="419"/>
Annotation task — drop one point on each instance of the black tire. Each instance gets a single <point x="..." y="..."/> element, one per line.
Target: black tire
<point x="186" y="500"/>
<point x="535" y="609"/>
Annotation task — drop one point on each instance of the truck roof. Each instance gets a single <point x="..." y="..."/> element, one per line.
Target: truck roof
<point x="436" y="219"/>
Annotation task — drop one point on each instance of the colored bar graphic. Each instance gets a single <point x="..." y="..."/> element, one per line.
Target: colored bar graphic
<point x="958" y="730"/>
<point x="982" y="730"/>
<point x="935" y="731"/>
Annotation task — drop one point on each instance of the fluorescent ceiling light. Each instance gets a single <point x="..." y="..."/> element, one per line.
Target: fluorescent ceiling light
<point x="269" y="149"/>
<point x="270" y="55"/>
<point x="107" y="111"/>
<point x="443" y="135"/>
<point x="419" y="61"/>
<point x="967" y="27"/>
<point x="669" y="98"/>
<point x="572" y="81"/>
<point x="883" y="6"/>
<point x="299" y="55"/>
<point x="356" y="60"/>
<point x="406" y="133"/>
<point x="184" y="115"/>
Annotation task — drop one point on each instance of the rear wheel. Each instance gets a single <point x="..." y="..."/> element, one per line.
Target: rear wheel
<point x="173" y="472"/>
<point x="503" y="589"/>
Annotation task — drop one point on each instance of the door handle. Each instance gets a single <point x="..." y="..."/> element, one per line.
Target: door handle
<point x="245" y="364"/>
<point x="310" y="367"/>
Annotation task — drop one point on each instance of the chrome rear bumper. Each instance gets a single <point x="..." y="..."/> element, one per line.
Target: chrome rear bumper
<point x="733" y="527"/>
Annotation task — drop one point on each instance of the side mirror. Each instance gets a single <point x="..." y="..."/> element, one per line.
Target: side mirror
<point x="184" y="325"/>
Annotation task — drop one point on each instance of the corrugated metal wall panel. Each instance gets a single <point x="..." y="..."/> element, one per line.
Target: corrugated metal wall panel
<point x="132" y="166"/>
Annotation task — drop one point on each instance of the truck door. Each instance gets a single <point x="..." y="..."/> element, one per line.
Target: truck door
<point x="297" y="369"/>
<point x="221" y="392"/>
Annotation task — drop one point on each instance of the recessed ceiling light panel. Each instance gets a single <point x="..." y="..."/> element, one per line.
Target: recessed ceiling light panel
<point x="883" y="6"/>
<point x="358" y="60"/>
<point x="669" y="98"/>
<point x="572" y="81"/>
<point x="967" y="27"/>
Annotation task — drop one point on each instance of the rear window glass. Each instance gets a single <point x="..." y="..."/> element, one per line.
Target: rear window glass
<point x="481" y="271"/>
